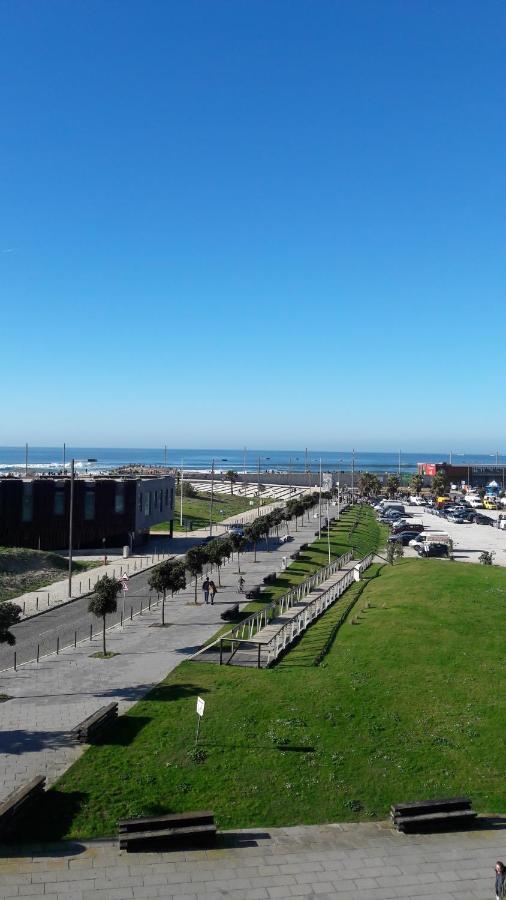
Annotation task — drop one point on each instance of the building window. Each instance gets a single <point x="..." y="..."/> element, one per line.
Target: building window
<point x="171" y="497"/>
<point x="140" y="501"/>
<point x="147" y="503"/>
<point x="166" y="496"/>
<point x="59" y="503"/>
<point x="161" y="501"/>
<point x="119" y="498"/>
<point x="27" y="503"/>
<point x="155" y="504"/>
<point x="89" y="505"/>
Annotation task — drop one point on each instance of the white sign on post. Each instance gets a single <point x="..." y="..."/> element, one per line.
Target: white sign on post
<point x="201" y="705"/>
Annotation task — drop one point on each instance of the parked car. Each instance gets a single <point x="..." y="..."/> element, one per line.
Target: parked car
<point x="458" y="518"/>
<point x="404" y="525"/>
<point x="416" y="501"/>
<point x="475" y="502"/>
<point x="433" y="549"/>
<point x="479" y="518"/>
<point x="490" y="503"/>
<point x="404" y="537"/>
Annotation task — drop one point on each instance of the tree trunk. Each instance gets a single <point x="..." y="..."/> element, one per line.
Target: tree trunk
<point x="163" y="608"/>
<point x="239" y="562"/>
<point x="195" y="588"/>
<point x="255" y="549"/>
<point x="267" y="540"/>
<point x="219" y="579"/>
<point x="103" y="634"/>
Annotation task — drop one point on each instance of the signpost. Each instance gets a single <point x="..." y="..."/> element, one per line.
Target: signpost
<point x="201" y="705"/>
<point x="124" y="585"/>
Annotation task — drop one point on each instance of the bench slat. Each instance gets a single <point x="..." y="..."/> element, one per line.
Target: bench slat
<point x="97" y="719"/>
<point x="403" y="822"/>
<point x="450" y="802"/>
<point x="200" y="817"/>
<point x="167" y="832"/>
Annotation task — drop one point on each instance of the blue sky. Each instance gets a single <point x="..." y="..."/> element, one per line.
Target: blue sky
<point x="253" y="222"/>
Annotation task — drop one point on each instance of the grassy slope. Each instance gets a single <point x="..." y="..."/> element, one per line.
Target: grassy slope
<point x="408" y="704"/>
<point x="23" y="570"/>
<point x="197" y="510"/>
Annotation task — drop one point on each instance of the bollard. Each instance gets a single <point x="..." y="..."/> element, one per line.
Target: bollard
<point x="114" y="573"/>
<point x="149" y="602"/>
<point x="91" y="631"/>
<point x="24" y="604"/>
<point x="48" y="599"/>
<point x="131" y="613"/>
<point x="38" y="652"/>
<point x="15" y="658"/>
<point x="58" y="644"/>
<point x="79" y="587"/>
<point x="75" y="638"/>
<point x="37" y="603"/>
<point x="121" y="619"/>
<point x="141" y="608"/>
<point x="89" y="583"/>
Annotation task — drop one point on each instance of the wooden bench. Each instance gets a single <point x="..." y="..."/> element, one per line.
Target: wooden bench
<point x="432" y="814"/>
<point x="158" y="832"/>
<point x="89" y="728"/>
<point x="18" y="801"/>
<point x="254" y="592"/>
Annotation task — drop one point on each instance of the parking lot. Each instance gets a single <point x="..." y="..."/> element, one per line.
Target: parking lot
<point x="469" y="540"/>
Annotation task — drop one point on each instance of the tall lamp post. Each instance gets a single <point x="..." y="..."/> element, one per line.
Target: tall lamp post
<point x="320" y="504"/>
<point x="181" y="511"/>
<point x="212" y="500"/>
<point x="71" y="518"/>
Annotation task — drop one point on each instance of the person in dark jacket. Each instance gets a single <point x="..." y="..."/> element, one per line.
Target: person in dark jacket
<point x="500" y="881"/>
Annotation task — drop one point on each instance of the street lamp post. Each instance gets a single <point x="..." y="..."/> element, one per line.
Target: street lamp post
<point x="212" y="500"/>
<point x="320" y="504"/>
<point x="181" y="513"/>
<point x="71" y="517"/>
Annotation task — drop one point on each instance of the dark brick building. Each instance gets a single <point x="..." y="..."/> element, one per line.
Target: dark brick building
<point x="34" y="512"/>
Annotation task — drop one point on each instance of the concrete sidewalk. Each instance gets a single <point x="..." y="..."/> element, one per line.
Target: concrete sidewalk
<point x="343" y="861"/>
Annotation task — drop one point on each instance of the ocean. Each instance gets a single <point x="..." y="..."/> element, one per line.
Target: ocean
<point x="102" y="459"/>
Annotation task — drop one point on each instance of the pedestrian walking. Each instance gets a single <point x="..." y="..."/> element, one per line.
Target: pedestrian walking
<point x="213" y="590"/>
<point x="500" y="881"/>
<point x="240" y="585"/>
<point x="205" y="587"/>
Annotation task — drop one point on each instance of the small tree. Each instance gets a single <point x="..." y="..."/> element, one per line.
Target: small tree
<point x="216" y="555"/>
<point x="168" y="576"/>
<point x="393" y="484"/>
<point x="398" y="550"/>
<point x="194" y="562"/>
<point x="105" y="601"/>
<point x="252" y="533"/>
<point x="439" y="483"/>
<point x="10" y="614"/>
<point x="232" y="477"/>
<point x="369" y="484"/>
<point x="390" y="553"/>
<point x="416" y="483"/>
<point x="239" y="543"/>
<point x="486" y="558"/>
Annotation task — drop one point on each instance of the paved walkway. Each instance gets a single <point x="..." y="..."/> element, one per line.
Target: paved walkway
<point x="54" y="695"/>
<point x="366" y="861"/>
<point x="160" y="547"/>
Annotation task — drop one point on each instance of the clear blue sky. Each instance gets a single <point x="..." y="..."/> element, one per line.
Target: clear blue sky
<point x="263" y="222"/>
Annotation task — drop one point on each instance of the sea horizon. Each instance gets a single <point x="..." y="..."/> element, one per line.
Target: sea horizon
<point x="94" y="459"/>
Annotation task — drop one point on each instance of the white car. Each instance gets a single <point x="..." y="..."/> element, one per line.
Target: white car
<point x="475" y="502"/>
<point x="416" y="501"/>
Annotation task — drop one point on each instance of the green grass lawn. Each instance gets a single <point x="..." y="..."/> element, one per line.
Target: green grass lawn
<point x="407" y="704"/>
<point x="196" y="510"/>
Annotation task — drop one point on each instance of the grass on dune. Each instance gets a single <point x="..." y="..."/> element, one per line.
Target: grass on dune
<point x="197" y="511"/>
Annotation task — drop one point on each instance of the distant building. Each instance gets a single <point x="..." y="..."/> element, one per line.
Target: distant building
<point x="472" y="475"/>
<point x="34" y="512"/>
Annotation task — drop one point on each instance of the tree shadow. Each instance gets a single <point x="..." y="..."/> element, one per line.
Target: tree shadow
<point x="20" y="741"/>
<point x="122" y="732"/>
<point x="168" y="693"/>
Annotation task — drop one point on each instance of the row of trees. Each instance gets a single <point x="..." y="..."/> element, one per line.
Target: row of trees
<point x="370" y="484"/>
<point x="170" y="575"/>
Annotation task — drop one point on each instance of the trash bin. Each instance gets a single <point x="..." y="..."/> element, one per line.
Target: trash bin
<point x="126" y="551"/>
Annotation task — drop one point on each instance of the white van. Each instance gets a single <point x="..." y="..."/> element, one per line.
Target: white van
<point x="417" y="501"/>
<point x="392" y="505"/>
<point x="474" y="502"/>
<point x="430" y="537"/>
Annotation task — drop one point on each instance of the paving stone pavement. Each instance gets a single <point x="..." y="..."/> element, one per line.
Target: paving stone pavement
<point x="366" y="861"/>
<point x="54" y="695"/>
